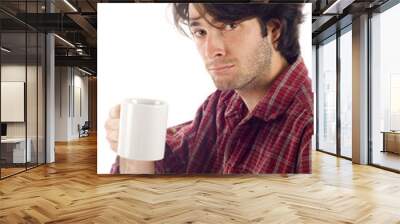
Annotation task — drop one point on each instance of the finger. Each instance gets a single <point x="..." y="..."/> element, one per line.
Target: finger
<point x="114" y="112"/>
<point x="112" y="124"/>
<point x="110" y="140"/>
<point x="112" y="136"/>
<point x="113" y="144"/>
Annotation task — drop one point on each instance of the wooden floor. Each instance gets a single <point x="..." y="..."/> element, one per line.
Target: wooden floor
<point x="10" y="171"/>
<point x="70" y="191"/>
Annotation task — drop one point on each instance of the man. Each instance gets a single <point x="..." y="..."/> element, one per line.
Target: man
<point x="260" y="120"/>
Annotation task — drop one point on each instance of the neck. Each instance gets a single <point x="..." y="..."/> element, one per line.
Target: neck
<point x="254" y="93"/>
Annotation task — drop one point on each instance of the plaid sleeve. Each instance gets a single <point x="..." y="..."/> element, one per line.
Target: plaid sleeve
<point x="115" y="167"/>
<point x="180" y="140"/>
<point x="176" y="150"/>
<point x="304" y="157"/>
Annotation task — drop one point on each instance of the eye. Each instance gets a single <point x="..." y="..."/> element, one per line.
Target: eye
<point x="230" y="26"/>
<point x="199" y="33"/>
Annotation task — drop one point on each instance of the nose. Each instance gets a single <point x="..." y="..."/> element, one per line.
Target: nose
<point x="214" y="46"/>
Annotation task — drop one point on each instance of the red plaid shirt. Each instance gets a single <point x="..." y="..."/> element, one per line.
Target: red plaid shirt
<point x="274" y="138"/>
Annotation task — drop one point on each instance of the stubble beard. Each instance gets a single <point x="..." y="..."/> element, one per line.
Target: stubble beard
<point x="257" y="67"/>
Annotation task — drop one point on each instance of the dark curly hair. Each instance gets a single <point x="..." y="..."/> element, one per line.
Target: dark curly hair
<point x="290" y="16"/>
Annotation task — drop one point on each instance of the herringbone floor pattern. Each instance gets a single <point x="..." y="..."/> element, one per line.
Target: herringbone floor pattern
<point x="70" y="191"/>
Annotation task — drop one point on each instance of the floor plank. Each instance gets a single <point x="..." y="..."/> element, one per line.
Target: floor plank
<point x="70" y="191"/>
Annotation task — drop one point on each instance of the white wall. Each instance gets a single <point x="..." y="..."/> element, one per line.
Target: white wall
<point x="80" y="83"/>
<point x="61" y="103"/>
<point x="67" y="117"/>
<point x="16" y="72"/>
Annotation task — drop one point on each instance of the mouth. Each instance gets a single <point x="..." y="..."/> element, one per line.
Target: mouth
<point x="221" y="69"/>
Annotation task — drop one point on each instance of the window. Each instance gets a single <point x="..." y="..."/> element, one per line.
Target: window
<point x="22" y="65"/>
<point x="346" y="93"/>
<point x="327" y="96"/>
<point x="385" y="89"/>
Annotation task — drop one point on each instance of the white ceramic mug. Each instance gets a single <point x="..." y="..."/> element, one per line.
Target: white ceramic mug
<point x="142" y="130"/>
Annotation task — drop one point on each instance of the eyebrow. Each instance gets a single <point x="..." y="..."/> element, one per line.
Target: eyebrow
<point x="194" y="22"/>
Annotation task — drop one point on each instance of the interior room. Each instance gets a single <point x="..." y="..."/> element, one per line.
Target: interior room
<point x="49" y="153"/>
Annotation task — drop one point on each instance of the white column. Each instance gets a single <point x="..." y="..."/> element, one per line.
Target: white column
<point x="50" y="92"/>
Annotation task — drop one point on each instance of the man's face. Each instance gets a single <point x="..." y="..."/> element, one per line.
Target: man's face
<point x="236" y="55"/>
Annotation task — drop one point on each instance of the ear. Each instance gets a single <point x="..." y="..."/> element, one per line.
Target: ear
<point x="274" y="27"/>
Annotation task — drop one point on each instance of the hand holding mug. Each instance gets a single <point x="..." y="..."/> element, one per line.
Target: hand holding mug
<point x="112" y="127"/>
<point x="136" y="130"/>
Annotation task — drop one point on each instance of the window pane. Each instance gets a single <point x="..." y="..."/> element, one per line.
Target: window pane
<point x="14" y="153"/>
<point x="346" y="94"/>
<point x="31" y="101"/>
<point x="314" y="87"/>
<point x="327" y="97"/>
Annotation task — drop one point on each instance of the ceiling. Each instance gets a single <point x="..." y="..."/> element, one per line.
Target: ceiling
<point x="76" y="22"/>
<point x="77" y="25"/>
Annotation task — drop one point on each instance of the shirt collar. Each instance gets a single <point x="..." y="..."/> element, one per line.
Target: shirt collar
<point x="278" y="96"/>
